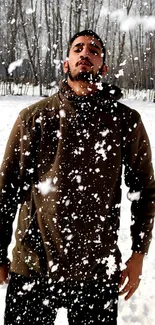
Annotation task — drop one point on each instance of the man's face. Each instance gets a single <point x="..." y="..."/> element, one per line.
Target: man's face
<point x="85" y="60"/>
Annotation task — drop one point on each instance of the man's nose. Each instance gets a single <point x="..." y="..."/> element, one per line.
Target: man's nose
<point x="85" y="52"/>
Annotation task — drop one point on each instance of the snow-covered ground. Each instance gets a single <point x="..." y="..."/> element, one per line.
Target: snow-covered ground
<point x="139" y="309"/>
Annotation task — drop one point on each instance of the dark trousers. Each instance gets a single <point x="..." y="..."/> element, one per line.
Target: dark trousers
<point x="35" y="300"/>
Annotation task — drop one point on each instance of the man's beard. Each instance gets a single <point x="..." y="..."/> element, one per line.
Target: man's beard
<point x="86" y="76"/>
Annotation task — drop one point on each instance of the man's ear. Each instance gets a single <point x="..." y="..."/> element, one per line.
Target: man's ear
<point x="104" y="70"/>
<point x="65" y="66"/>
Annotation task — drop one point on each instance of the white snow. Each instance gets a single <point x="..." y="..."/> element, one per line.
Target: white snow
<point x="148" y="23"/>
<point x="12" y="21"/>
<point x="28" y="286"/>
<point x="133" y="196"/>
<point x="13" y="65"/>
<point x="139" y="309"/>
<point x="62" y="113"/>
<point x="120" y="73"/>
<point x="129" y="22"/>
<point x="29" y="11"/>
<point x="111" y="265"/>
<point x="119" y="14"/>
<point x="123" y="63"/>
<point x="46" y="186"/>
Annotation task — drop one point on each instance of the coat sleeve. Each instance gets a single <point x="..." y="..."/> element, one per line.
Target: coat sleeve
<point x="11" y="183"/>
<point x="139" y="177"/>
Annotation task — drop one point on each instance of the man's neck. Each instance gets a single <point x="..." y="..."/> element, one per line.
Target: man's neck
<point x="82" y="88"/>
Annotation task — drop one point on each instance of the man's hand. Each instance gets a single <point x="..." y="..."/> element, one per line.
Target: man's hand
<point x="133" y="272"/>
<point x="4" y="272"/>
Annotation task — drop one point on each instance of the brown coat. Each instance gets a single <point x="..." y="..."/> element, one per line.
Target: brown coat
<point x="63" y="165"/>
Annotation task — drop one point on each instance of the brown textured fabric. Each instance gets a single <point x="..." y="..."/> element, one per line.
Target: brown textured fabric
<point x="75" y="147"/>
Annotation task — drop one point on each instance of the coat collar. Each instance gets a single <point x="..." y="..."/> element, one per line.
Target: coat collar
<point x="106" y="92"/>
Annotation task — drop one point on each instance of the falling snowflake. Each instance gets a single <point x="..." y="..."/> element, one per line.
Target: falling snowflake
<point x="111" y="265"/>
<point x="46" y="186"/>
<point x="135" y="196"/>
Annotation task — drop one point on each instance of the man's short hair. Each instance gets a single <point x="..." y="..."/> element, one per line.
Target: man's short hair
<point x="87" y="32"/>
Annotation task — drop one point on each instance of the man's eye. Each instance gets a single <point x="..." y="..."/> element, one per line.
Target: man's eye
<point x="78" y="50"/>
<point x="94" y="52"/>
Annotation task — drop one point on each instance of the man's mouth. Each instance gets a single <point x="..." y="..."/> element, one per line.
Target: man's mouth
<point x="84" y="63"/>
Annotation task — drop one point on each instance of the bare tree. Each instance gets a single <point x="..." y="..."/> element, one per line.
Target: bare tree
<point x="48" y="61"/>
<point x="128" y="5"/>
<point x="41" y="35"/>
<point x="36" y="39"/>
<point x="26" y="39"/>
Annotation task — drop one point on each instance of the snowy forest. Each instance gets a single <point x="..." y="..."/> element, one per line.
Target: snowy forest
<point x="34" y="36"/>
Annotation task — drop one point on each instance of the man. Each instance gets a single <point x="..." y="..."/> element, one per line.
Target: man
<point x="63" y="165"/>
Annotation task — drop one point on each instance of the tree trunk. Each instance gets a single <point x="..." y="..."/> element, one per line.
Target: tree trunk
<point x="27" y="43"/>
